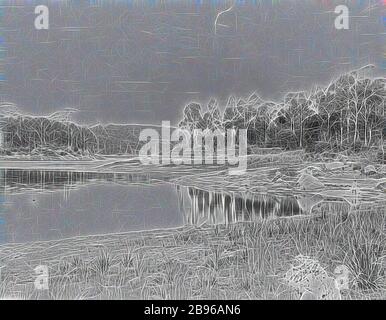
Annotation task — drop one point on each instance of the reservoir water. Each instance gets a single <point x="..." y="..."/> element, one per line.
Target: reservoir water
<point x="45" y="205"/>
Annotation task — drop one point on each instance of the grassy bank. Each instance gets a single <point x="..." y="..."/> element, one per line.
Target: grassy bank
<point x="242" y="261"/>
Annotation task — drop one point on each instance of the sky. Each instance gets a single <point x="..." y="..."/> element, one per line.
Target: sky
<point x="143" y="61"/>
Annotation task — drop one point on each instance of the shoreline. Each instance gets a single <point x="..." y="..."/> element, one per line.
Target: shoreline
<point x="246" y="260"/>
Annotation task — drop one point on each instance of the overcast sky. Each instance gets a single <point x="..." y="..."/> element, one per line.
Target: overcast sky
<point x="130" y="62"/>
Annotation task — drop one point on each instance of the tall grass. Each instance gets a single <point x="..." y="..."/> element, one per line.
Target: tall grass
<point x="240" y="261"/>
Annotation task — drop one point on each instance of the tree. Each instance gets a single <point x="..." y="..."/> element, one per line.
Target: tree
<point x="298" y="108"/>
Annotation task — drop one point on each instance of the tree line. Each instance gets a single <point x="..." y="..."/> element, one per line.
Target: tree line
<point x="347" y="113"/>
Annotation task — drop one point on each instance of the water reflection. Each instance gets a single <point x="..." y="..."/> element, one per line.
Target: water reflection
<point x="46" y="205"/>
<point x="17" y="180"/>
<point x="201" y="206"/>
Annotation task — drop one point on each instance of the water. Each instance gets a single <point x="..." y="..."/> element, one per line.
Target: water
<point x="44" y="205"/>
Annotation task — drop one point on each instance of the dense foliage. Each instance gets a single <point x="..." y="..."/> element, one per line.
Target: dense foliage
<point x="25" y="133"/>
<point x="348" y="113"/>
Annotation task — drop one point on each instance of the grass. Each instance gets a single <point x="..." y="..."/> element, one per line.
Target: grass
<point x="240" y="261"/>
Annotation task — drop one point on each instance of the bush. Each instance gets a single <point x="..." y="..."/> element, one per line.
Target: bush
<point x="381" y="156"/>
<point x="357" y="146"/>
<point x="287" y="140"/>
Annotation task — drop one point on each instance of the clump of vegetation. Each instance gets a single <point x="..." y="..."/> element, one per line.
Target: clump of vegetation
<point x="58" y="136"/>
<point x="53" y="135"/>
